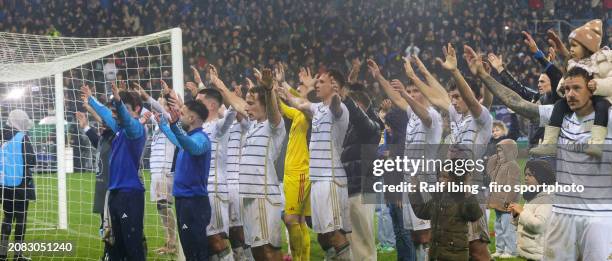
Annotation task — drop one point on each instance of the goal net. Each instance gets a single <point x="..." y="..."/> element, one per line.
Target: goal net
<point x="42" y="76"/>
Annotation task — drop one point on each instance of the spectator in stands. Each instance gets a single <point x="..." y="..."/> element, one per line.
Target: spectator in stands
<point x="110" y="74"/>
<point x="237" y="37"/>
<point x="544" y="94"/>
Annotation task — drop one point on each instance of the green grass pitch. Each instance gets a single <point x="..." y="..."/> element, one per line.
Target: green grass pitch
<point x="83" y="225"/>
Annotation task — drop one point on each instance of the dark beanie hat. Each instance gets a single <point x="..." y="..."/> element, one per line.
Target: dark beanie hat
<point x="542" y="171"/>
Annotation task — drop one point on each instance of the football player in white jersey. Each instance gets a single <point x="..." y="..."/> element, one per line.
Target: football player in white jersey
<point x="329" y="192"/>
<point x="259" y="185"/>
<point x="580" y="223"/>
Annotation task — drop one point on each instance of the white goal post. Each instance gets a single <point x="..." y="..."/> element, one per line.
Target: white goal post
<point x="41" y="75"/>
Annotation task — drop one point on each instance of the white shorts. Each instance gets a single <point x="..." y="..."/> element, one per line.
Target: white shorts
<point x="235" y="205"/>
<point x="573" y="237"/>
<point x="161" y="187"/>
<point x="411" y="221"/>
<point x="218" y="216"/>
<point x="262" y="222"/>
<point x="329" y="205"/>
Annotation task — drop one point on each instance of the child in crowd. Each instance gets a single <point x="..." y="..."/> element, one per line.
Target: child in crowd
<point x="585" y="52"/>
<point x="500" y="132"/>
<point x="503" y="169"/>
<point x="531" y="218"/>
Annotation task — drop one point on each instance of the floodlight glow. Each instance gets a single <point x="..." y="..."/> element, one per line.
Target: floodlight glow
<point x="15" y="94"/>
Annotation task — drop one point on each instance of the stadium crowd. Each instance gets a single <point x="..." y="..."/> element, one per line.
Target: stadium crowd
<point x="237" y="36"/>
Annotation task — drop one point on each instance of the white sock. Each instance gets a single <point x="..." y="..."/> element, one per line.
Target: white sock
<point x="238" y="253"/>
<point x="422" y="252"/>
<point x="330" y="254"/>
<point x="345" y="254"/>
<point x="248" y="254"/>
<point x="226" y="255"/>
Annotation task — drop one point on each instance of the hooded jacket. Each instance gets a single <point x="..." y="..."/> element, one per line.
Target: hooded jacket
<point x="504" y="171"/>
<point x="531" y="225"/>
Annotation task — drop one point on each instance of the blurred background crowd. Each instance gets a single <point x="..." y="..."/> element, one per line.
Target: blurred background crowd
<point x="237" y="35"/>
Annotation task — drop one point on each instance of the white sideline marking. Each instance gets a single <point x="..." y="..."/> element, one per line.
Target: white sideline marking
<point x="54" y="227"/>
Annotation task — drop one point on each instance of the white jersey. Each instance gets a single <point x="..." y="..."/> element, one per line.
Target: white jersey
<point x="465" y="129"/>
<point x="575" y="167"/>
<point x="234" y="149"/>
<point x="326" y="140"/>
<point x="262" y="147"/>
<point x="423" y="141"/>
<point x="162" y="154"/>
<point x="217" y="131"/>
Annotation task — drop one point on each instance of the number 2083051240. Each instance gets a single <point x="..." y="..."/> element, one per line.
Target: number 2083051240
<point x="65" y="247"/>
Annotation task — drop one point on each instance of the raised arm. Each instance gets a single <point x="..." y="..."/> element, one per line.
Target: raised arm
<point x="419" y="109"/>
<point x="394" y="96"/>
<point x="196" y="144"/>
<point x="436" y="94"/>
<point x="197" y="84"/>
<point x="285" y="94"/>
<point x="91" y="133"/>
<point x="155" y="105"/>
<point x="307" y="79"/>
<point x="354" y="73"/>
<point x="298" y="104"/>
<point x="93" y="113"/>
<point x="510" y="98"/>
<point x="336" y="106"/>
<point x="132" y="126"/>
<point x="226" y="122"/>
<point x="274" y="115"/>
<point x="462" y="86"/>
<point x="506" y="95"/>
<point x="557" y="44"/>
<point x="361" y="119"/>
<point x="105" y="113"/>
<point x="229" y="97"/>
<point x="164" y="127"/>
<point x="507" y="79"/>
<point x="552" y="71"/>
<point x="287" y="111"/>
<point x="487" y="97"/>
